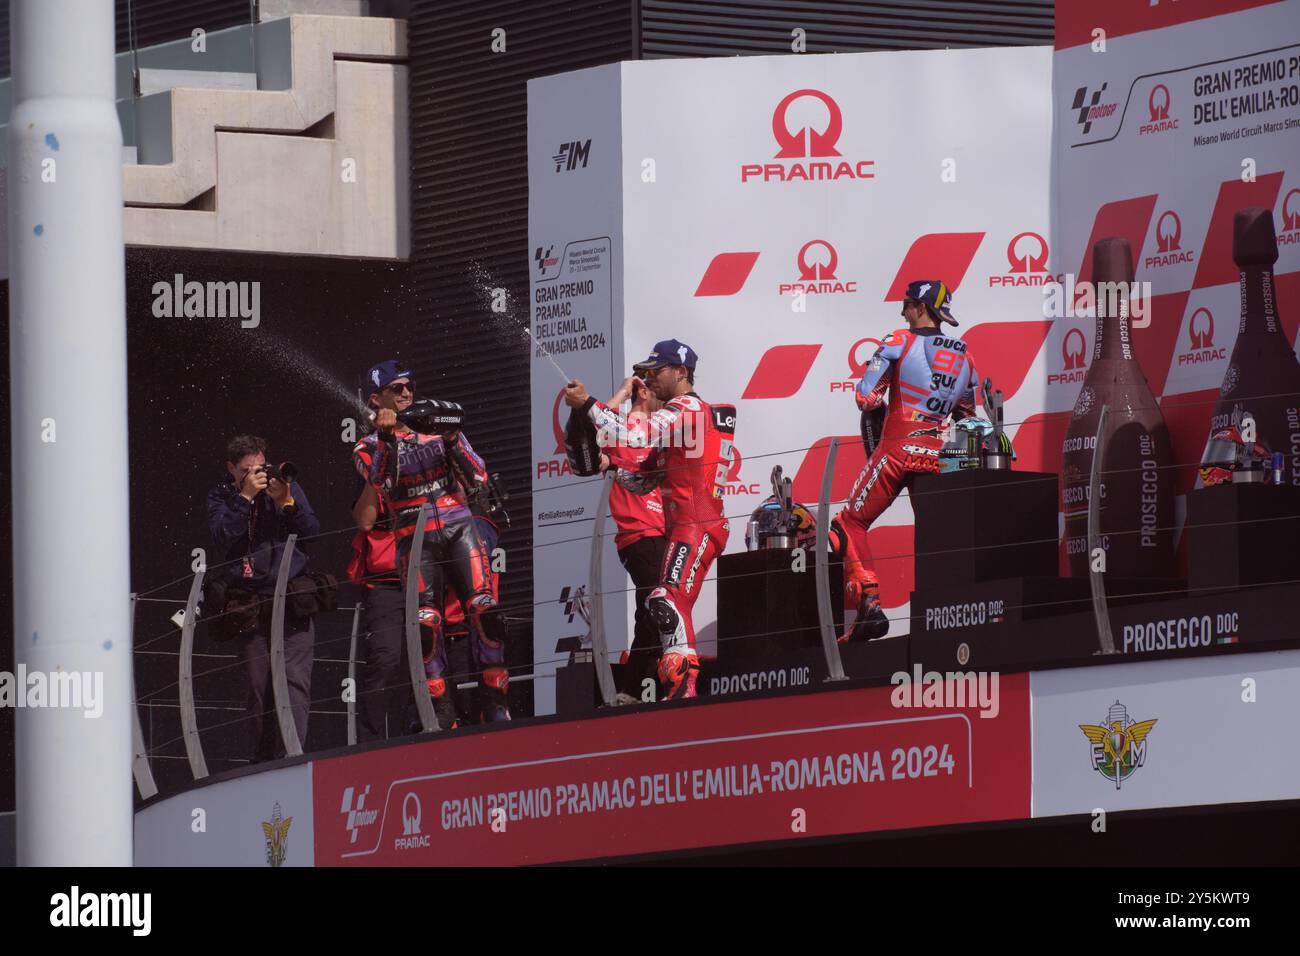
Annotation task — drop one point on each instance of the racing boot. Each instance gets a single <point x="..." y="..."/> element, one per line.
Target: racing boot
<point x="871" y="622"/>
<point x="444" y="708"/>
<point x="678" y="666"/>
<point x="678" y="671"/>
<point x="496" y="686"/>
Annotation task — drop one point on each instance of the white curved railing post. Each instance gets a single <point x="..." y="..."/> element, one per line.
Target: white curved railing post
<point x="140" y="768"/>
<point x="825" y="616"/>
<point x="599" y="646"/>
<point x="279" y="679"/>
<point x="1097" y="578"/>
<point x="414" y="654"/>
<point x="185" y="685"/>
<point x="352" y="677"/>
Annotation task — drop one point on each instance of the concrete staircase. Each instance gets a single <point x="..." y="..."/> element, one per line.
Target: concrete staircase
<point x="307" y="156"/>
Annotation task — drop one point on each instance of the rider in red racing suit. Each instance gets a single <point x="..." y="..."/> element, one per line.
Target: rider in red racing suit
<point x="696" y="440"/>
<point x="928" y="377"/>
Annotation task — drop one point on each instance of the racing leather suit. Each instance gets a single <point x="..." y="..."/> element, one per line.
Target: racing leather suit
<point x="409" y="470"/>
<point x="928" y="376"/>
<point x="696" y="439"/>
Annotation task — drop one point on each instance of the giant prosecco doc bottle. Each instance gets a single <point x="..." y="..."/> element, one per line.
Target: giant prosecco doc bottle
<point x="1263" y="377"/>
<point x="1137" y="486"/>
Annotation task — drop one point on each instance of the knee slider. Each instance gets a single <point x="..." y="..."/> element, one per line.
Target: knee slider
<point x="497" y="678"/>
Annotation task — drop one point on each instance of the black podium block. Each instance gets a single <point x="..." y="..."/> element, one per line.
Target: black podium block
<point x="1242" y="534"/>
<point x="766" y="607"/>
<point x="974" y="526"/>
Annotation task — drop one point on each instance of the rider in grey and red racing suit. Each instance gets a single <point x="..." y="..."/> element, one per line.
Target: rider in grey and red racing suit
<point x="928" y="377"/>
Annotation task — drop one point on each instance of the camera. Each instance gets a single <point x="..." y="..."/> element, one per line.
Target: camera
<point x="285" y="471"/>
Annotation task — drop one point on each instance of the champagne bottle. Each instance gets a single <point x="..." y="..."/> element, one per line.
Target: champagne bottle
<point x="1137" y="482"/>
<point x="1263" y="378"/>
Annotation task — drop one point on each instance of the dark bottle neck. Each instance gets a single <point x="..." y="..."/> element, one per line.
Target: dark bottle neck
<point x="1113" y="340"/>
<point x="1259" y="301"/>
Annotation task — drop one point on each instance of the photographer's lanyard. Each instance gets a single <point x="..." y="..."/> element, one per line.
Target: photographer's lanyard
<point x="252" y="527"/>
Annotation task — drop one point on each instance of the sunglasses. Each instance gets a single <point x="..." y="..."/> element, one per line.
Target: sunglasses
<point x="397" y="388"/>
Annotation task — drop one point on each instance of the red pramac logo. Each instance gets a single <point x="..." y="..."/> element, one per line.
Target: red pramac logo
<point x="1169" y="229"/>
<point x="734" y="485"/>
<point x="1290" y="218"/>
<point x="1027" y="255"/>
<point x="859" y="356"/>
<point x="1158" y="110"/>
<point x="1158" y="102"/>
<point x="809" y="141"/>
<point x="1169" y="251"/>
<point x="817" y="261"/>
<point x="1202" y="333"/>
<point x="1200" y="329"/>
<point x="1073" y="347"/>
<point x="550" y="467"/>
<point x="817" y="269"/>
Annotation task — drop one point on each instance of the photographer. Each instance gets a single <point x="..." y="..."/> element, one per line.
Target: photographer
<point x="250" y="516"/>
<point x="408" y="469"/>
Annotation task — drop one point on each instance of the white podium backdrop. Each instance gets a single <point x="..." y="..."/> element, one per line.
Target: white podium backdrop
<point x="1184" y="118"/>
<point x="694" y="199"/>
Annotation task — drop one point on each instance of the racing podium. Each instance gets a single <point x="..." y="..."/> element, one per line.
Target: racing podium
<point x="986" y="564"/>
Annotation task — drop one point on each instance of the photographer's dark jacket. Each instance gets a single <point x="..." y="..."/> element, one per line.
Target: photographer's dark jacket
<point x="240" y="528"/>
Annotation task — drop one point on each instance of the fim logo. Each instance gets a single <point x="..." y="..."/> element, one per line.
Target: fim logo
<point x="571" y="154"/>
<point x="276" y="832"/>
<point x="357" y="816"/>
<point x="1118" y="745"/>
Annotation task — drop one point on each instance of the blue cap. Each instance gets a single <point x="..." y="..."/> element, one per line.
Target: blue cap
<point x="934" y="294"/>
<point x="384" y="373"/>
<point x="670" y="352"/>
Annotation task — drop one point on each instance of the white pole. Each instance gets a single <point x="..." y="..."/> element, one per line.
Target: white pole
<point x="67" y="336"/>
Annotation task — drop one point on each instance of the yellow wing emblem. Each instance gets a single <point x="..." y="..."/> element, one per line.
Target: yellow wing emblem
<point x="1139" y="730"/>
<point x="1095" y="733"/>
